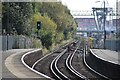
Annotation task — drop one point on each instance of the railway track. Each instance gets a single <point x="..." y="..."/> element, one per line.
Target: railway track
<point x="76" y="61"/>
<point x="61" y="66"/>
<point x="85" y="62"/>
<point x="66" y="64"/>
<point x="43" y="65"/>
<point x="71" y="68"/>
<point x="54" y="69"/>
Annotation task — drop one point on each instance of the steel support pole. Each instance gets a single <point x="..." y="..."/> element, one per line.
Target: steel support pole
<point x="104" y="25"/>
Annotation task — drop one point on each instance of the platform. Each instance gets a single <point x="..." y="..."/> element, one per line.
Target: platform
<point x="107" y="55"/>
<point x="12" y="67"/>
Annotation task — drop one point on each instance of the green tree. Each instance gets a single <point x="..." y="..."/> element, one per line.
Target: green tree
<point x="59" y="37"/>
<point x="17" y="15"/>
<point x="57" y="23"/>
<point x="47" y="38"/>
<point x="61" y="16"/>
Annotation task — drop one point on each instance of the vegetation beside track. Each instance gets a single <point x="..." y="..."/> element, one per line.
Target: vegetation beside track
<point x="57" y="24"/>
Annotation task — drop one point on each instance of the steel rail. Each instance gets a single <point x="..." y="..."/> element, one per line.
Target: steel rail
<point x="70" y="67"/>
<point x="84" y="60"/>
<point x="26" y="65"/>
<point x="48" y="55"/>
<point x="55" y="69"/>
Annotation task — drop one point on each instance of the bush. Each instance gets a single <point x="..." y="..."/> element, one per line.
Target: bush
<point x="36" y="43"/>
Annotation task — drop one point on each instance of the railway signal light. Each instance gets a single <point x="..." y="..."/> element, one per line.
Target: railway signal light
<point x="38" y="25"/>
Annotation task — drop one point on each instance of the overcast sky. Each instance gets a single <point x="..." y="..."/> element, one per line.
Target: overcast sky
<point x="87" y="4"/>
<point x="75" y="5"/>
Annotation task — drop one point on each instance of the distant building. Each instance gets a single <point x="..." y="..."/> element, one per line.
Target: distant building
<point x="86" y="23"/>
<point x="89" y="24"/>
<point x="116" y="22"/>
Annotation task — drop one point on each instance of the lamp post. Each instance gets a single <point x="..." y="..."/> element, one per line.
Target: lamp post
<point x="104" y="25"/>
